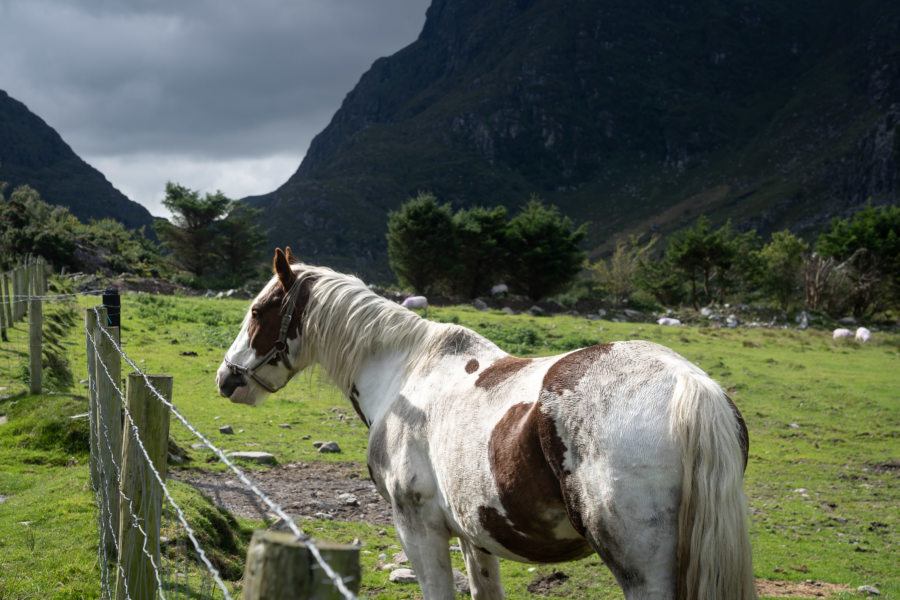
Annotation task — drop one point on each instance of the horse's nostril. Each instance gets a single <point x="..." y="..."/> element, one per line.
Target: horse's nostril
<point x="231" y="382"/>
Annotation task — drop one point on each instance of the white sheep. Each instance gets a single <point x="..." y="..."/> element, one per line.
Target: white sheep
<point x="415" y="302"/>
<point x="668" y="321"/>
<point x="862" y="335"/>
<point x="841" y="333"/>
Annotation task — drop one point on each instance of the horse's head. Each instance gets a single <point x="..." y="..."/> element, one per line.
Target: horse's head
<point x="266" y="353"/>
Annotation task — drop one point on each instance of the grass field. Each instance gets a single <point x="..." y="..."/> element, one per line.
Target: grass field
<point x="822" y="479"/>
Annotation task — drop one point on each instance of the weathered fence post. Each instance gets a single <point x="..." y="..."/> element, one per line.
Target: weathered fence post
<point x="106" y="426"/>
<point x="4" y="297"/>
<point x="280" y="567"/>
<point x="90" y="327"/>
<point x="35" y="328"/>
<point x="136" y="578"/>
<point x="8" y="306"/>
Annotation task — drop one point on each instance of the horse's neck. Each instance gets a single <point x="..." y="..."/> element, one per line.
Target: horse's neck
<point x="380" y="335"/>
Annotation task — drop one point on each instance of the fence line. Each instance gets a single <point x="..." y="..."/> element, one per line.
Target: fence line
<point x="338" y="581"/>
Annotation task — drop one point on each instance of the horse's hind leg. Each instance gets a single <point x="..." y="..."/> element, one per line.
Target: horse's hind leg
<point x="634" y="529"/>
<point x="484" y="572"/>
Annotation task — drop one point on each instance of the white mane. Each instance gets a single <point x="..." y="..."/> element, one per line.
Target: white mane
<point x="345" y="322"/>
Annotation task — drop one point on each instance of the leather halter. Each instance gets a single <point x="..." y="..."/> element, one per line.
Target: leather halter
<point x="279" y="349"/>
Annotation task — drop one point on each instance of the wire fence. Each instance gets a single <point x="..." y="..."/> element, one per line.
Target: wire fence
<point x="338" y="580"/>
<point x="179" y="567"/>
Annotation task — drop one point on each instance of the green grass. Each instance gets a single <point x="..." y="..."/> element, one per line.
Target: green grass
<point x="822" y="479"/>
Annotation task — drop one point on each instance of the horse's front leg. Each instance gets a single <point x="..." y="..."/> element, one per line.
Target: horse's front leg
<point x="484" y="572"/>
<point x="425" y="538"/>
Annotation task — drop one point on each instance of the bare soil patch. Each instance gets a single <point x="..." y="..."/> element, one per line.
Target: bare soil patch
<point x="304" y="490"/>
<point x="799" y="589"/>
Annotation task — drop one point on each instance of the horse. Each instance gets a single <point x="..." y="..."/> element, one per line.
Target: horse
<point x="623" y="449"/>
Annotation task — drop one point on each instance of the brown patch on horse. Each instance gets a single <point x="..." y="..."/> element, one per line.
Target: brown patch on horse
<point x="528" y="490"/>
<point x="743" y="434"/>
<point x="500" y="371"/>
<point x="472" y="366"/>
<point x="567" y="372"/>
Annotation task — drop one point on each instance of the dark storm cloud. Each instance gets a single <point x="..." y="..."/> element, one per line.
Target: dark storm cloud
<point x="206" y="77"/>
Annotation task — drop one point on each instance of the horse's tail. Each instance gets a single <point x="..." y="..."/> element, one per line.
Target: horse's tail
<point x="714" y="557"/>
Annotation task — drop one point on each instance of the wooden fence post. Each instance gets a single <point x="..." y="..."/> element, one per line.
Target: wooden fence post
<point x="279" y="567"/>
<point x="8" y="306"/>
<point x="35" y="328"/>
<point x="106" y="425"/>
<point x="90" y="326"/>
<point x="4" y="297"/>
<point x="151" y="417"/>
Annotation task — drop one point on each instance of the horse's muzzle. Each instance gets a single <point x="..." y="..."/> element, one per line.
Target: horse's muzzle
<point x="230" y="382"/>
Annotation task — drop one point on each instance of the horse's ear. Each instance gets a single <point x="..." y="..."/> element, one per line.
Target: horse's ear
<point x="282" y="268"/>
<point x="291" y="258"/>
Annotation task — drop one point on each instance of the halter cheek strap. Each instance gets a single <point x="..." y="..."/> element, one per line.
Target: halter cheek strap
<point x="279" y="349"/>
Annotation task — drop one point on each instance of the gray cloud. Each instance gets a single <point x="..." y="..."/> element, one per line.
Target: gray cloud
<point x="206" y="79"/>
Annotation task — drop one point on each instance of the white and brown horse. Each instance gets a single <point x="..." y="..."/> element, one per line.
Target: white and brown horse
<point x="625" y="449"/>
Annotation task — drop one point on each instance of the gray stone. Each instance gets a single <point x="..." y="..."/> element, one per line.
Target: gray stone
<point x="403" y="576"/>
<point x="508" y="310"/>
<point x="869" y="589"/>
<point x="461" y="583"/>
<point x="536" y="311"/>
<point x="263" y="458"/>
<point x="3" y="498"/>
<point x="731" y="321"/>
<point x="348" y="499"/>
<point x="284" y="425"/>
<point x="400" y="558"/>
<point x="4" y="420"/>
<point x="330" y="447"/>
<point x="848" y="321"/>
<point x="633" y="314"/>
<point x="226" y="429"/>
<point x="199" y="446"/>
<point x="480" y="304"/>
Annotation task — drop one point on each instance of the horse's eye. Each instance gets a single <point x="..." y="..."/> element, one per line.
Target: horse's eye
<point x="254" y="314"/>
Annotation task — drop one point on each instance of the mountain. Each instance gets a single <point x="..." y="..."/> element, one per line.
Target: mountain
<point x="33" y="153"/>
<point x="633" y="116"/>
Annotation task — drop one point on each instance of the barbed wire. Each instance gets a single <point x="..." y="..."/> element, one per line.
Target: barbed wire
<point x="47" y="297"/>
<point x="275" y="507"/>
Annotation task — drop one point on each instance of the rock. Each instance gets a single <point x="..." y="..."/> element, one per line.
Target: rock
<point x="199" y="446"/>
<point x="592" y="317"/>
<point x="634" y="315"/>
<point x="284" y="425"/>
<point x="461" y="582"/>
<point x="508" y="310"/>
<point x="731" y="321"/>
<point x="4" y="420"/>
<point x="324" y="516"/>
<point x="536" y="311"/>
<point x="329" y="447"/>
<point x="847" y="321"/>
<point x="706" y="311"/>
<point x="403" y="576"/>
<point x="400" y="558"/>
<point x="869" y="589"/>
<point x="348" y="499"/>
<point x="263" y="458"/>
<point x="802" y="320"/>
<point x="282" y="525"/>
<point x="226" y="430"/>
<point x="480" y="304"/>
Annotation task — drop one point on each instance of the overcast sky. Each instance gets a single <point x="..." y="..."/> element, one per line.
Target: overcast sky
<point x="211" y="94"/>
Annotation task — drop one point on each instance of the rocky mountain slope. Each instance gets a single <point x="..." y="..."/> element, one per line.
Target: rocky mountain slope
<point x="636" y="117"/>
<point x="33" y="153"/>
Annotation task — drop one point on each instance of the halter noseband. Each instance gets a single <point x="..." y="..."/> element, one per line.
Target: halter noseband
<point x="279" y="349"/>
